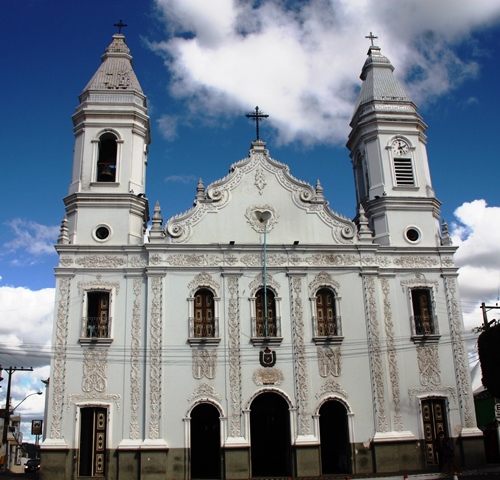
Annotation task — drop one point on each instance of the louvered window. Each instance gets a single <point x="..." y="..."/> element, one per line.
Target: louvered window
<point x="327" y="320"/>
<point x="424" y="319"/>
<point x="265" y="324"/>
<point x="403" y="169"/>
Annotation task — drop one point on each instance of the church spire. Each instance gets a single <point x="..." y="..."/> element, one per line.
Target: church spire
<point x="112" y="134"/>
<point x="389" y="156"/>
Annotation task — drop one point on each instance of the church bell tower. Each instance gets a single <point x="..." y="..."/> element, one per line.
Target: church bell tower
<point x="106" y="202"/>
<point x="389" y="156"/>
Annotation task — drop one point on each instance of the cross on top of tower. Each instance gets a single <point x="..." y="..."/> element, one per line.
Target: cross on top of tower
<point x="371" y="37"/>
<point x="256" y="116"/>
<point x="120" y="25"/>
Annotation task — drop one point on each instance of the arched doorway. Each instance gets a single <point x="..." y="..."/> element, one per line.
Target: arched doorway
<point x="334" y="436"/>
<point x="270" y="436"/>
<point x="205" y="442"/>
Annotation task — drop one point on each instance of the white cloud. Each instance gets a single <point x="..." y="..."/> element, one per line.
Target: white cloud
<point x="476" y="232"/>
<point x="301" y="61"/>
<point x="32" y="238"/>
<point x="181" y="179"/>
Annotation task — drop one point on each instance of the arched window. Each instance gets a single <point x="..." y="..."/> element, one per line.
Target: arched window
<point x="326" y="313"/>
<point x="265" y="321"/>
<point x="106" y="163"/>
<point x="204" y="326"/>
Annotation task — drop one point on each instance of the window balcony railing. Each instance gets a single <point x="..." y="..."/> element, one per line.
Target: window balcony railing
<point x="96" y="327"/>
<point x="425" y="325"/>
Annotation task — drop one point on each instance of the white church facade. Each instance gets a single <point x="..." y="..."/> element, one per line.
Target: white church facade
<point x="258" y="334"/>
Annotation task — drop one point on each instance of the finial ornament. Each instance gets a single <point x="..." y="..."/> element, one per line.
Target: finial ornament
<point x="371" y="37"/>
<point x="120" y="25"/>
<point x="256" y="116"/>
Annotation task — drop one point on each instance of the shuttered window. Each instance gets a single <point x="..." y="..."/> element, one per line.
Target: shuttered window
<point x="403" y="170"/>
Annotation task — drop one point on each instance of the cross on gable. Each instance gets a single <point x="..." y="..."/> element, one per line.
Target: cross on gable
<point x="371" y="37"/>
<point x="120" y="25"/>
<point x="256" y="116"/>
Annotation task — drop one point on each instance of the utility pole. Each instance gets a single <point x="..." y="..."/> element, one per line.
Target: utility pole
<point x="484" y="308"/>
<point x="6" y="421"/>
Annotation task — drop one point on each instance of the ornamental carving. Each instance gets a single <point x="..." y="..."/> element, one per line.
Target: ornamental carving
<point x="135" y="357"/>
<point x="233" y="312"/>
<point x="329" y="387"/>
<point x="419" y="281"/>
<point x="204" y="391"/>
<point x="95" y="366"/>
<point x="268" y="376"/>
<point x="101" y="261"/>
<point x="155" y="358"/>
<point x="65" y="261"/>
<point x="414" y="261"/>
<point x="413" y="392"/>
<point x="204" y="363"/>
<point x="428" y="365"/>
<point x="95" y="397"/>
<point x="58" y="375"/>
<point x="203" y="279"/>
<point x="260" y="180"/>
<point x="254" y="215"/>
<point x="323" y="279"/>
<point x="459" y="352"/>
<point x="98" y="284"/>
<point x="257" y="260"/>
<point x="331" y="259"/>
<point x="138" y="262"/>
<point x="392" y="356"/>
<point x="329" y="361"/>
<point x="375" y="354"/>
<point x="259" y="282"/>
<point x="299" y="356"/>
<point x="194" y="260"/>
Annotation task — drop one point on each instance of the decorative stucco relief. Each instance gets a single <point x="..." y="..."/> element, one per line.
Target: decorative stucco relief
<point x="98" y="283"/>
<point x="66" y="261"/>
<point x="258" y="282"/>
<point x="138" y="262"/>
<point x="135" y="355"/>
<point x="415" y="261"/>
<point x="459" y="353"/>
<point x="95" y="398"/>
<point x="428" y="365"/>
<point x="419" y="281"/>
<point x="194" y="260"/>
<point x="375" y="354"/>
<point x="268" y="376"/>
<point x="323" y="279"/>
<point x="392" y="356"/>
<point x="202" y="392"/>
<point x="413" y="392"/>
<point x="257" y="260"/>
<point x="329" y="361"/>
<point x="58" y="375"/>
<point x="260" y="180"/>
<point x="234" y="355"/>
<point x="203" y="279"/>
<point x="101" y="261"/>
<point x="253" y="215"/>
<point x="329" y="387"/>
<point x="95" y="367"/>
<point x="299" y="356"/>
<point x="155" y="358"/>
<point x="204" y="363"/>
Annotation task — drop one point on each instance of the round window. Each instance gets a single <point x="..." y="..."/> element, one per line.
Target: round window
<point x="412" y="234"/>
<point x="102" y="232"/>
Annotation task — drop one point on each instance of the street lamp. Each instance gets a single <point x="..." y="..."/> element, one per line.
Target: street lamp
<point x="27" y="396"/>
<point x="9" y="411"/>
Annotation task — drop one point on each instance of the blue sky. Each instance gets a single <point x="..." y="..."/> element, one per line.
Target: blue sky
<point x="203" y="66"/>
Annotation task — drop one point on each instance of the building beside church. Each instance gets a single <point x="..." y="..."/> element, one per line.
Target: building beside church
<point x="260" y="333"/>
